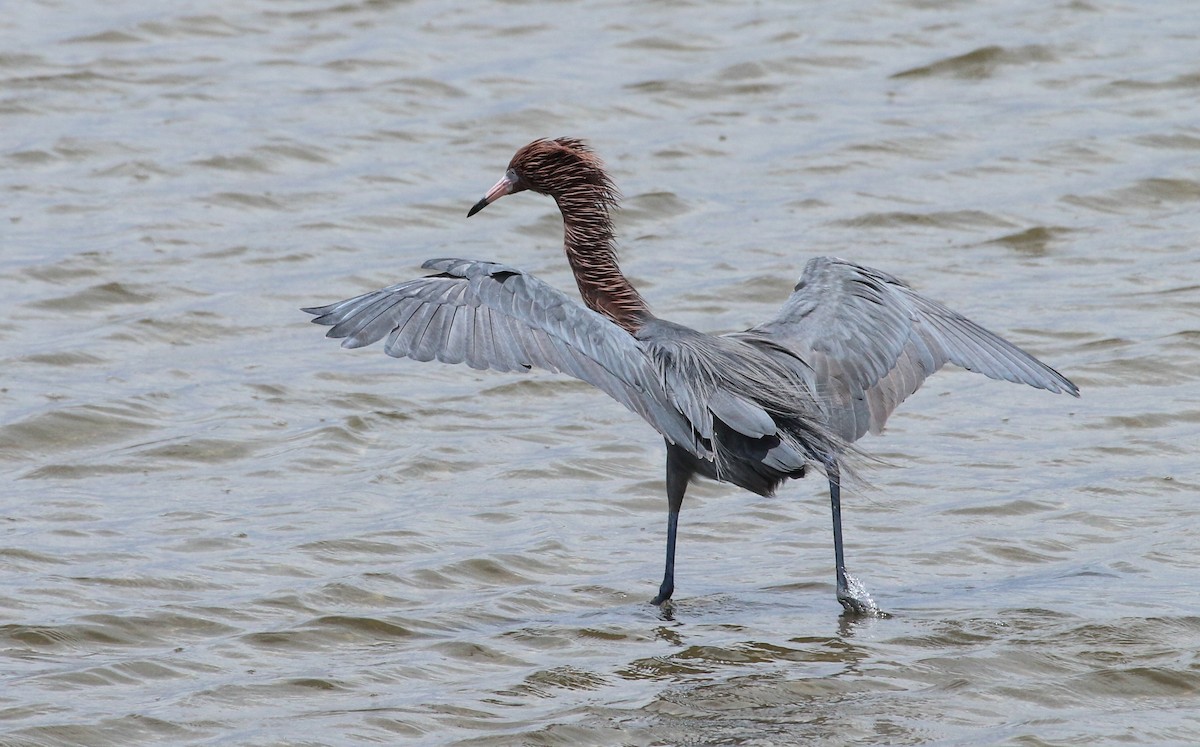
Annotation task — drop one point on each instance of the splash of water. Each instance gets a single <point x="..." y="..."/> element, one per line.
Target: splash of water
<point x="857" y="599"/>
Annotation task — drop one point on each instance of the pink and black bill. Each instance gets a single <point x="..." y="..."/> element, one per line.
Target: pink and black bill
<point x="506" y="186"/>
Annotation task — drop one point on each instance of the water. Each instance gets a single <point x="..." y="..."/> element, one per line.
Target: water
<point x="218" y="528"/>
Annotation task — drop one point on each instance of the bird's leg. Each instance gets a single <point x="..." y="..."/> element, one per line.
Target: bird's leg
<point x="854" y="599"/>
<point x="667" y="588"/>
<point x="678" y="475"/>
<point x="839" y="556"/>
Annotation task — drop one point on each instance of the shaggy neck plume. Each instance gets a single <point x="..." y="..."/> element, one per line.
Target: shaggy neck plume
<point x="588" y="243"/>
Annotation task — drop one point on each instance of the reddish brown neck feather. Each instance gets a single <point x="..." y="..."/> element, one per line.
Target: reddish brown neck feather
<point x="588" y="243"/>
<point x="570" y="173"/>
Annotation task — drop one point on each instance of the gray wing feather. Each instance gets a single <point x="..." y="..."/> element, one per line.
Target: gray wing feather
<point x="488" y="315"/>
<point x="871" y="341"/>
<point x="743" y="416"/>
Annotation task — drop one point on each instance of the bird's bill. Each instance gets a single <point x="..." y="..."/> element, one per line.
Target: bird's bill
<point x="498" y="190"/>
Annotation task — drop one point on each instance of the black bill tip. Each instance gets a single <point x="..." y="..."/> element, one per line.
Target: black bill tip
<point x="477" y="207"/>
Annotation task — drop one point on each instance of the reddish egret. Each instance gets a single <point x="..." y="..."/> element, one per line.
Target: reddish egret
<point x="752" y="408"/>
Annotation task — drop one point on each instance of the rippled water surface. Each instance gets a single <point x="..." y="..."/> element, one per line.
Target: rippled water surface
<point x="217" y="528"/>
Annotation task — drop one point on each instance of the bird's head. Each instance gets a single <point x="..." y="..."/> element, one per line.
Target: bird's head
<point x="564" y="168"/>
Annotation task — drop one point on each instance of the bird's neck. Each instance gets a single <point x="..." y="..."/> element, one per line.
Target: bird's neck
<point x="588" y="242"/>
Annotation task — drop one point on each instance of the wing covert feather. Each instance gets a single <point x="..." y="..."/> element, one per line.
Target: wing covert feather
<point x="492" y="316"/>
<point x="872" y="341"/>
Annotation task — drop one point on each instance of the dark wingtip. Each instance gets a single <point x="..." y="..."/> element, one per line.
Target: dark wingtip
<point x="477" y="207"/>
<point x="318" y="313"/>
<point x="1065" y="384"/>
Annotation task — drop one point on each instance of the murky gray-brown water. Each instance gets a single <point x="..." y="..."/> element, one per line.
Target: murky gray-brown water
<point x="218" y="528"/>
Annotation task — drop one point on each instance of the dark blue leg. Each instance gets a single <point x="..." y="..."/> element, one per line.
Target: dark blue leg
<point x="854" y="600"/>
<point x="839" y="557"/>
<point x="668" y="583"/>
<point x="678" y="475"/>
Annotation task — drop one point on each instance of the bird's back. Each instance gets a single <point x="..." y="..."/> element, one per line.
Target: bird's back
<point x="750" y="402"/>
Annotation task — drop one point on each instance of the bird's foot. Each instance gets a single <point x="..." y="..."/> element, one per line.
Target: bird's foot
<point x="856" y="606"/>
<point x="855" y="598"/>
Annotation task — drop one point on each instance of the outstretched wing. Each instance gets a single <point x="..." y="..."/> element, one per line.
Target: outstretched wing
<point x="488" y="315"/>
<point x="871" y="341"/>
